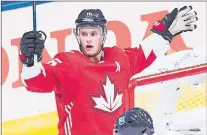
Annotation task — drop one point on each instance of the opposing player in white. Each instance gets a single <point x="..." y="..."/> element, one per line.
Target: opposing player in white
<point x="164" y="120"/>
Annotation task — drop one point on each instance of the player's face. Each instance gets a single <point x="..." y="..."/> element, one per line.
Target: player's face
<point x="91" y="39"/>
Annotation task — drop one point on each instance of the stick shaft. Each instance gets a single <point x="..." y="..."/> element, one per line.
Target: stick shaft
<point x="34" y="16"/>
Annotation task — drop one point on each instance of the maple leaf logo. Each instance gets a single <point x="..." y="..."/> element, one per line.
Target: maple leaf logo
<point x="112" y="101"/>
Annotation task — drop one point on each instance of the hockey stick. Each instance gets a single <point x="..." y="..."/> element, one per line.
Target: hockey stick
<point x="34" y="16"/>
<point x="35" y="23"/>
<point x="35" y="20"/>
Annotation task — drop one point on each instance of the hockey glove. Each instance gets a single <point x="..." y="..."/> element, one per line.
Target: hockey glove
<point x="176" y="22"/>
<point x="31" y="44"/>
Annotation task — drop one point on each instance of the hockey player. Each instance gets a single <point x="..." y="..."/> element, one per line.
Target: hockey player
<point x="90" y="84"/>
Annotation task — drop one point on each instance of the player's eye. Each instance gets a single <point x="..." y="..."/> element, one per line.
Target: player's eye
<point x="93" y="34"/>
<point x="83" y="34"/>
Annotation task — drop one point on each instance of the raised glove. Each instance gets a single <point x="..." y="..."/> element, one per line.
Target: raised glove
<point x="31" y="43"/>
<point x="176" y="22"/>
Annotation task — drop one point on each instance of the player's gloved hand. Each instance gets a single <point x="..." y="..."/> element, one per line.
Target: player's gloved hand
<point x="32" y="43"/>
<point x="176" y="22"/>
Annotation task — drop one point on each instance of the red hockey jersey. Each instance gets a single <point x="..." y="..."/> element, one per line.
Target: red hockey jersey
<point x="90" y="96"/>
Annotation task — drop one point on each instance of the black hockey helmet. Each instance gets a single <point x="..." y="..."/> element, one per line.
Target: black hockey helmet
<point x="136" y="121"/>
<point x="91" y="18"/>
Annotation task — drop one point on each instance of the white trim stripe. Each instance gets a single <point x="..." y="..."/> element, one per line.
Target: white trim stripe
<point x="66" y="109"/>
<point x="68" y="125"/>
<point x="118" y="69"/>
<point x="70" y="119"/>
<point x="65" y="128"/>
<point x="68" y="122"/>
<point x="69" y="107"/>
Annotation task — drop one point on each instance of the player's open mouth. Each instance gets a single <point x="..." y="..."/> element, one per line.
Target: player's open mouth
<point x="89" y="46"/>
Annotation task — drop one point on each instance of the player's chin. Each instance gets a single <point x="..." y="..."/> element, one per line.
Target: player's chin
<point x="90" y="52"/>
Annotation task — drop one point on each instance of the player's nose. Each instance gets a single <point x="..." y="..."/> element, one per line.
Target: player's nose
<point x="88" y="40"/>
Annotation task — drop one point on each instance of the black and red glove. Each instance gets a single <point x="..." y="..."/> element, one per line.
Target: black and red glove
<point x="175" y="23"/>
